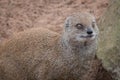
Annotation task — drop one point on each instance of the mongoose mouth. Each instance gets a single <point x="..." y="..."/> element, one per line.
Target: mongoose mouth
<point x="88" y="36"/>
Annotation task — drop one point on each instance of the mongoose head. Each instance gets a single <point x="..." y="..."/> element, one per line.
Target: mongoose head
<point x="81" y="28"/>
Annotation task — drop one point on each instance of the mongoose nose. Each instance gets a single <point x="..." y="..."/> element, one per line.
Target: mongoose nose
<point x="89" y="32"/>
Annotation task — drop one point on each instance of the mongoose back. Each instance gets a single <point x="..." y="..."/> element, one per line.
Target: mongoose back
<point x="40" y="54"/>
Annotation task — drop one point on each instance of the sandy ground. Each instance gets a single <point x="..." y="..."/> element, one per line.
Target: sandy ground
<point x="19" y="15"/>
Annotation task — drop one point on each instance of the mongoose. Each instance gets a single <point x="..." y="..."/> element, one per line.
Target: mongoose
<point x="40" y="54"/>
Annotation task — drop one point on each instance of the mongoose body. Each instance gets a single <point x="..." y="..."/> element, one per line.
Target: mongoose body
<point x="40" y="54"/>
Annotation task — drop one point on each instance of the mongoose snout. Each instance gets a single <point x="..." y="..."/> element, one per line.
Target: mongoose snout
<point x="89" y="31"/>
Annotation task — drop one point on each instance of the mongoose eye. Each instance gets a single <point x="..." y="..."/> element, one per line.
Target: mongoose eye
<point x="79" y="26"/>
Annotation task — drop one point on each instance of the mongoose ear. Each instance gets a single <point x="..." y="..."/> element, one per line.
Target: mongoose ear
<point x="67" y="22"/>
<point x="92" y="12"/>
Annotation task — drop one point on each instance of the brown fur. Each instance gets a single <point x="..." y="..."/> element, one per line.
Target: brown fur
<point x="40" y="54"/>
